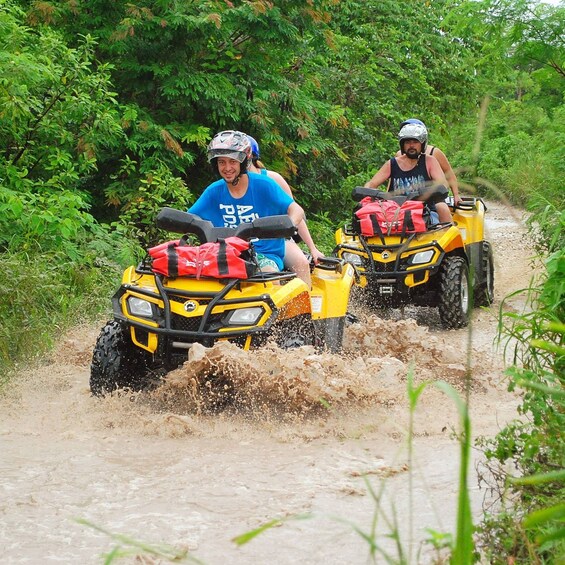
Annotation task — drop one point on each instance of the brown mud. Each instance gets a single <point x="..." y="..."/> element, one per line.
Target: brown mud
<point x="308" y="439"/>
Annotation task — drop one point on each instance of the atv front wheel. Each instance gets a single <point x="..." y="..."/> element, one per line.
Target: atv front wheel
<point x="116" y="362"/>
<point x="334" y="328"/>
<point x="454" y="299"/>
<point x="295" y="333"/>
<point x="484" y="293"/>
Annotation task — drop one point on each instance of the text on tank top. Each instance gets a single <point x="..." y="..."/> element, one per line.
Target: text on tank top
<point x="405" y="182"/>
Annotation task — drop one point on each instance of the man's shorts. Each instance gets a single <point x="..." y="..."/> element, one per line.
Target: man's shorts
<point x="434" y="218"/>
<point x="266" y="262"/>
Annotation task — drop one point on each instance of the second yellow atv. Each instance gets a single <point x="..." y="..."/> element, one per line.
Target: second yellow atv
<point x="158" y="318"/>
<point x="449" y="266"/>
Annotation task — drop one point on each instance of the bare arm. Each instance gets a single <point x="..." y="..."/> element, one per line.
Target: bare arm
<point x="296" y="213"/>
<point x="436" y="173"/>
<point x="434" y="169"/>
<point x="304" y="233"/>
<point x="449" y="173"/>
<point x="303" y="230"/>
<point x="380" y="176"/>
<point x="279" y="179"/>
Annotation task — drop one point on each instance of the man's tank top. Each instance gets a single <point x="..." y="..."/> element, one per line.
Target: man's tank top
<point x="405" y="182"/>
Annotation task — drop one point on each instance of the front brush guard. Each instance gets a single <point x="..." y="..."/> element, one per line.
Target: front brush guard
<point x="394" y="271"/>
<point x="203" y="334"/>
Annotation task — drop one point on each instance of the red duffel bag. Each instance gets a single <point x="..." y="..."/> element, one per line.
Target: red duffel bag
<point x="386" y="217"/>
<point x="229" y="258"/>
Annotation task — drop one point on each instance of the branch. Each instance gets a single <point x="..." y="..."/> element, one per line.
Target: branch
<point x="46" y="110"/>
<point x="557" y="67"/>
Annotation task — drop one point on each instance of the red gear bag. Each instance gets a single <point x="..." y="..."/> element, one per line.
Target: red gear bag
<point x="228" y="258"/>
<point x="386" y="217"/>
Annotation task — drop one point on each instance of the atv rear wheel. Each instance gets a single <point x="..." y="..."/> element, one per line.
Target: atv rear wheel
<point x="454" y="298"/>
<point x="484" y="293"/>
<point x="117" y="362"/>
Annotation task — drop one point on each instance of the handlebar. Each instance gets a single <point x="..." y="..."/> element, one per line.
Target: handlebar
<point x="431" y="194"/>
<point x="269" y="227"/>
<point x="330" y="263"/>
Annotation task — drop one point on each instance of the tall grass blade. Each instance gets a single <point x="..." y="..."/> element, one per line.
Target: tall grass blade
<point x="463" y="550"/>
<point x="539" y="479"/>
<point x="545" y="515"/>
<point x="246" y="537"/>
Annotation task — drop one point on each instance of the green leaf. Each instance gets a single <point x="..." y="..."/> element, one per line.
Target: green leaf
<point x="539" y="479"/>
<point x="540" y="517"/>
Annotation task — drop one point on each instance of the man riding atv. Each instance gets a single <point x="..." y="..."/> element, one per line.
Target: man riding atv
<point x="413" y="171"/>
<point x="407" y="246"/>
<point x="229" y="286"/>
<point x="242" y="196"/>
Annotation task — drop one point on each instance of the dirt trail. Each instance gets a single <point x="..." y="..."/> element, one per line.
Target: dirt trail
<point x="155" y="468"/>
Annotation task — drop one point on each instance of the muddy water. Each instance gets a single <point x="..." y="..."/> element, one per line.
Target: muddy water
<point x="307" y="440"/>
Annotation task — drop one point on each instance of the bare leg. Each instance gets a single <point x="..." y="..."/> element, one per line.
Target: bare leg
<point x="295" y="260"/>
<point x="443" y="212"/>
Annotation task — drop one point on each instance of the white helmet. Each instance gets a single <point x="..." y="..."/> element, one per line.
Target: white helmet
<point x="230" y="143"/>
<point x="413" y="131"/>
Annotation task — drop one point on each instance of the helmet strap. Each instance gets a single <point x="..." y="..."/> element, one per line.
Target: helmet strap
<point x="242" y="171"/>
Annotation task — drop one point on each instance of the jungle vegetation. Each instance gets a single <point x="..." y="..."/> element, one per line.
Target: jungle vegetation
<point x="106" y="108"/>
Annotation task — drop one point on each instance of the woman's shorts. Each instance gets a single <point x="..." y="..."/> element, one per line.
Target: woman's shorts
<point x="266" y="262"/>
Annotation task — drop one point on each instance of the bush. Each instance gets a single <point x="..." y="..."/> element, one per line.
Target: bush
<point x="43" y="294"/>
<point x="534" y="531"/>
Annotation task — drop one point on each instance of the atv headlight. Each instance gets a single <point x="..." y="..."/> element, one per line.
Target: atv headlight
<point x="422" y="257"/>
<point x="140" y="307"/>
<point x="244" y="316"/>
<point x="352" y="258"/>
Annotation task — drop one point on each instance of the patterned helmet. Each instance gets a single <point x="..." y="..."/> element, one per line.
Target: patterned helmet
<point x="412" y="121"/>
<point x="230" y="143"/>
<point x="413" y="131"/>
<point x="256" y="154"/>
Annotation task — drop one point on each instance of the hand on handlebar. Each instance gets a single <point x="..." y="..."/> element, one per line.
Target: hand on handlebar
<point x="316" y="255"/>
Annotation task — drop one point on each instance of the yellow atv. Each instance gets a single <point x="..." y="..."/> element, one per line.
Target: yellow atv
<point x="158" y="318"/>
<point x="448" y="266"/>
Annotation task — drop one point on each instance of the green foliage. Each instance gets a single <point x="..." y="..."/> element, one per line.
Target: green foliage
<point x="48" y="221"/>
<point x="534" y="443"/>
<point x="57" y="114"/>
<point x="322" y="231"/>
<point x="519" y="56"/>
<point x="518" y="153"/>
<point x="206" y="66"/>
<point x="287" y="72"/>
<point x="44" y="294"/>
<point x="322" y="85"/>
<point x="140" y="208"/>
<point x="400" y="78"/>
<point x="106" y="109"/>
